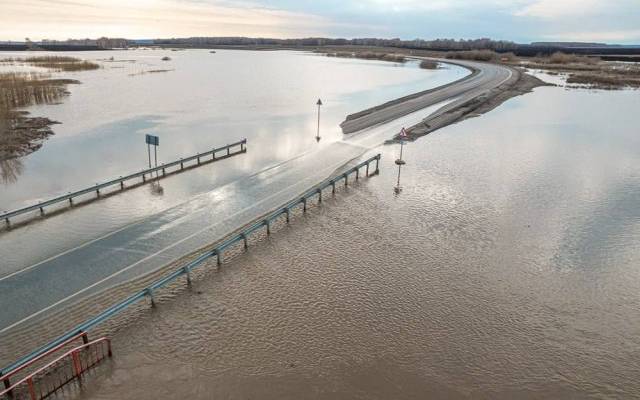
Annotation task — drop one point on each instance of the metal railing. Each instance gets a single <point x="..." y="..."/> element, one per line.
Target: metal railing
<point x="53" y="376"/>
<point x="7" y="374"/>
<point x="218" y="252"/>
<point x="226" y="150"/>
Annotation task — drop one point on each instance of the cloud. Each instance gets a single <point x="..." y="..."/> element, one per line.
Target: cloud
<point x="519" y="20"/>
<point x="152" y="18"/>
<point x="560" y="8"/>
<point x="598" y="36"/>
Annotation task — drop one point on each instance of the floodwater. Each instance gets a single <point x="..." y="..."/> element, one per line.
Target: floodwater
<point x="506" y="268"/>
<point x="203" y="101"/>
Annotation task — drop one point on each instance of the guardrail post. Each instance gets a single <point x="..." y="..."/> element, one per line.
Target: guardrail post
<point x="163" y="170"/>
<point x="70" y="200"/>
<point x="97" y="190"/>
<point x="85" y="338"/>
<point x="150" y="294"/>
<point x="288" y="211"/>
<point x="241" y="146"/>
<point x="144" y="177"/>
<point x="367" y="168"/>
<point x="218" y="257"/>
<point x="6" y="220"/>
<point x="181" y="163"/>
<point x="32" y="389"/>
<point x="346" y="179"/>
<point x="228" y="150"/>
<point x="41" y="211"/>
<point x="121" y="184"/>
<point x="377" y="160"/>
<point x="333" y="187"/>
<point x="304" y="204"/>
<point x="244" y="239"/>
<point x="188" y="273"/>
<point x="76" y="364"/>
<point x="213" y="153"/>
<point x="109" y="352"/>
<point x="319" y="196"/>
<point x="357" y="173"/>
<point x="268" y="225"/>
<point x="7" y="385"/>
<point x="198" y="159"/>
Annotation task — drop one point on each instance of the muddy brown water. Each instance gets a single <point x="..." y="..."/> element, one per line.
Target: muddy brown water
<point x="506" y="268"/>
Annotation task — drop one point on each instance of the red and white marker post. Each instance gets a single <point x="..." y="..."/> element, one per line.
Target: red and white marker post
<point x="400" y="162"/>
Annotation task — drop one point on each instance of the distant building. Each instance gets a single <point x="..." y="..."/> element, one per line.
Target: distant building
<point x="116" y="43"/>
<point x="103" y="42"/>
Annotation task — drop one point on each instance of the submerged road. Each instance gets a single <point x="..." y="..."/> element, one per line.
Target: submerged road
<point x="139" y="248"/>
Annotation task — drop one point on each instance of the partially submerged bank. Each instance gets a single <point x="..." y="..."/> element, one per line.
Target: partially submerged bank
<point x="471" y="100"/>
<point x="580" y="71"/>
<point x="21" y="133"/>
<point x="520" y="83"/>
<point x="369" y="55"/>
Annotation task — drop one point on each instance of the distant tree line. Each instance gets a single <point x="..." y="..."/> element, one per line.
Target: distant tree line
<point x="499" y="46"/>
<point x="438" y="44"/>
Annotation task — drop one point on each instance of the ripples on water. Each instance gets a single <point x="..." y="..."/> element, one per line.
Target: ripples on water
<point x="205" y="101"/>
<point x="507" y="268"/>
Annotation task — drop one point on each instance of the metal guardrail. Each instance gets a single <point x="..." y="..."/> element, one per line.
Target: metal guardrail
<point x="120" y="181"/>
<point x="186" y="269"/>
<point x="59" y="372"/>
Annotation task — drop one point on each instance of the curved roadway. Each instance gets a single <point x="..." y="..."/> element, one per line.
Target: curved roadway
<point x="155" y="241"/>
<point x="484" y="78"/>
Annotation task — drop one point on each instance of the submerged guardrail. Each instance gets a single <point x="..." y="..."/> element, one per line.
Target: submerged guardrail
<point x="217" y="251"/>
<point x="121" y="180"/>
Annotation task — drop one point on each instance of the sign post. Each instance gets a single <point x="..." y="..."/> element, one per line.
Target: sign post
<point x="319" y="103"/>
<point x="154" y="141"/>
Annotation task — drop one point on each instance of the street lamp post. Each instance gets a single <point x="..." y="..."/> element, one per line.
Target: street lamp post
<point x="319" y="103"/>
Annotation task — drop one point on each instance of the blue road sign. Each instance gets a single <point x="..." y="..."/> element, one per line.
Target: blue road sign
<point x="151" y="139"/>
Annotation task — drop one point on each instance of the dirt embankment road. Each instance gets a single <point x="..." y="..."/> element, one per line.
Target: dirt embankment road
<point x="488" y="86"/>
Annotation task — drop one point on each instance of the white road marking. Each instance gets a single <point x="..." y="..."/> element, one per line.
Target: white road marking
<point x="330" y="169"/>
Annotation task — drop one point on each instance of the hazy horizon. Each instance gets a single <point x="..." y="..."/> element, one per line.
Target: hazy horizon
<point x="521" y="21"/>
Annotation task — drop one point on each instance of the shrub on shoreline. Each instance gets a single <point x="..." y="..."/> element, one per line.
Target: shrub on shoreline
<point x="473" y="55"/>
<point x="370" y="55"/>
<point x="428" y="64"/>
<point x="21" y="134"/>
<point x="564" y="58"/>
<point x="56" y="63"/>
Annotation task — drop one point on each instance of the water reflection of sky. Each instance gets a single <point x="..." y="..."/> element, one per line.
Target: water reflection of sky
<point x="102" y="137"/>
<point x="205" y="100"/>
<point x="507" y="268"/>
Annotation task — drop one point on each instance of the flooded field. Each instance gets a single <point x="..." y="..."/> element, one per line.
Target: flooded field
<point x="196" y="101"/>
<point x="199" y="101"/>
<point x="506" y="268"/>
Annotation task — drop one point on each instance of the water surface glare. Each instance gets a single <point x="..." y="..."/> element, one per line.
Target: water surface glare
<point x="203" y="101"/>
<point x="506" y="268"/>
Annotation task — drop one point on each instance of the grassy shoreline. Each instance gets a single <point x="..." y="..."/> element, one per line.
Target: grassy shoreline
<point x="21" y="133"/>
<point x="53" y="63"/>
<point x="581" y="71"/>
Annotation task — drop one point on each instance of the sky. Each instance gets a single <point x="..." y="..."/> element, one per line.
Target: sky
<point x="611" y="21"/>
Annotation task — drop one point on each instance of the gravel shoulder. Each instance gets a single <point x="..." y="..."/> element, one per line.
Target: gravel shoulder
<point x="487" y="87"/>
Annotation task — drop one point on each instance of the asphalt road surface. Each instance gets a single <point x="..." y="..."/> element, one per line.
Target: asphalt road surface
<point x="487" y="77"/>
<point x="144" y="246"/>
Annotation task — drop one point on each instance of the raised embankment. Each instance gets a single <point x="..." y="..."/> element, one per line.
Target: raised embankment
<point x="488" y="86"/>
